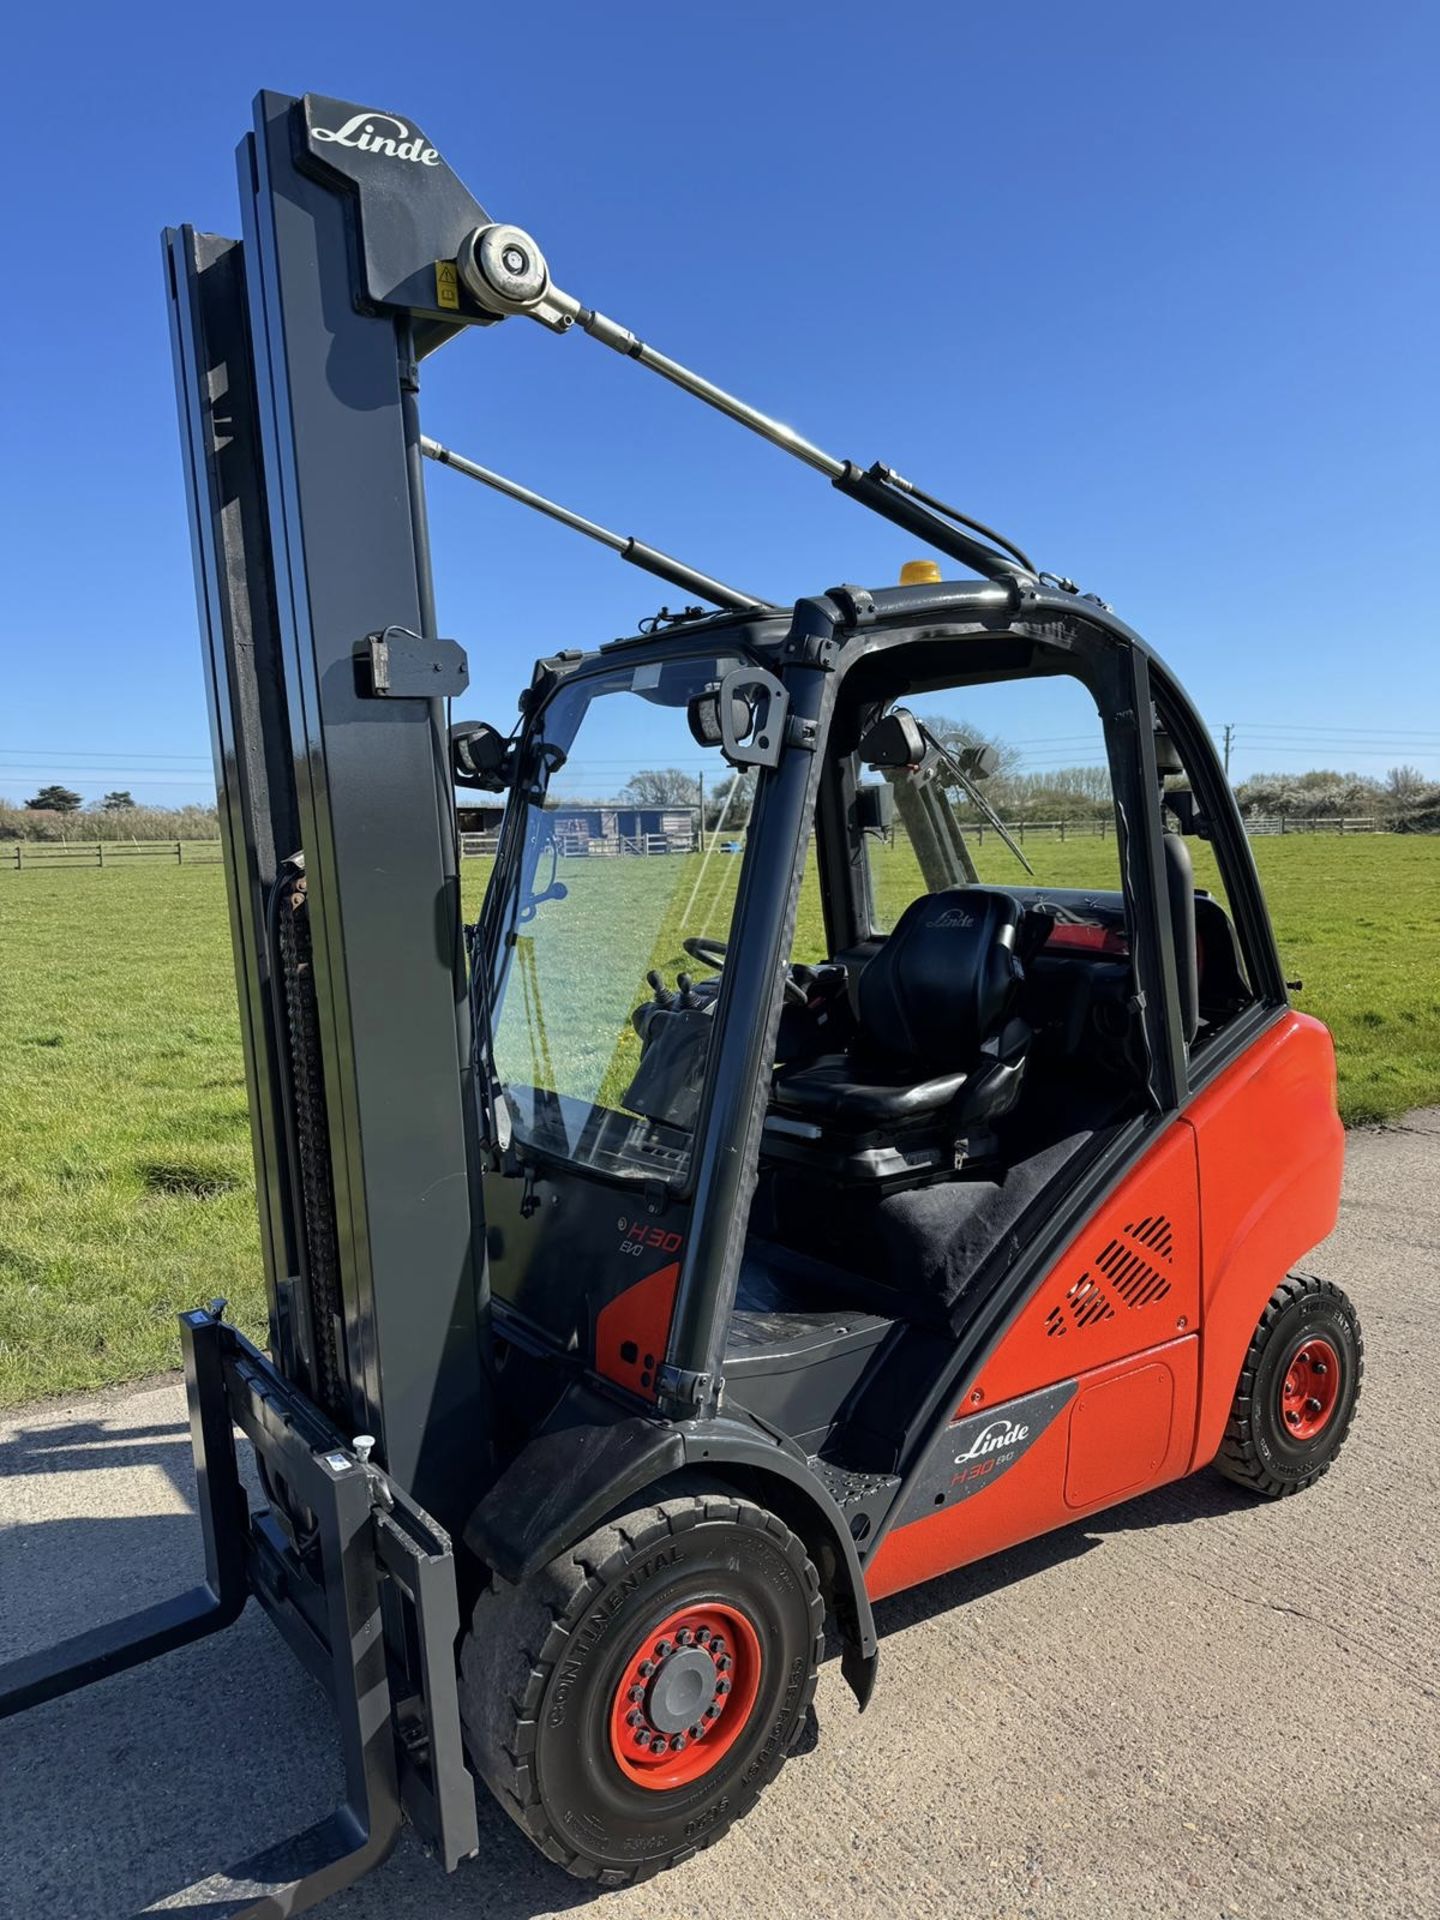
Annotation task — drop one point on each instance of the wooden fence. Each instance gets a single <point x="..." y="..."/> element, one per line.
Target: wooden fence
<point x="1288" y="823"/>
<point x="23" y="855"/>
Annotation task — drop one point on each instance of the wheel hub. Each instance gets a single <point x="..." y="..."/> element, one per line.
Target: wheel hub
<point x="685" y="1695"/>
<point x="1310" y="1389"/>
<point x="683" y="1687"/>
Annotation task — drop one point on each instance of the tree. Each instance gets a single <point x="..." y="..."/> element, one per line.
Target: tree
<point x="729" y="802"/>
<point x="1405" y="784"/>
<point x="122" y="801"/>
<point x="54" y="800"/>
<point x="662" y="787"/>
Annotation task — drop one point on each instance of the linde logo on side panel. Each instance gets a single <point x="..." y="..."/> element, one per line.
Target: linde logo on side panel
<point x="991" y="1439"/>
<point x="952" y="917"/>
<point x="359" y="131"/>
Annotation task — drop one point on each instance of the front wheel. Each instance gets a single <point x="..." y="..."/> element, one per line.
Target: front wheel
<point x="1297" y="1391"/>
<point x="629" y="1702"/>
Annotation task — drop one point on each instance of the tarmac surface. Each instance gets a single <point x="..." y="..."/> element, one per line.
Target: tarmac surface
<point x="1194" y="1704"/>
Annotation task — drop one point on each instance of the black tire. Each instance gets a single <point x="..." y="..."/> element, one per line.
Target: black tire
<point x="542" y="1662"/>
<point x="1259" y="1450"/>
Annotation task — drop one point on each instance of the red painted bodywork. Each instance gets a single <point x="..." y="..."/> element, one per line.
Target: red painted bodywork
<point x="632" y="1329"/>
<point x="1152" y="1306"/>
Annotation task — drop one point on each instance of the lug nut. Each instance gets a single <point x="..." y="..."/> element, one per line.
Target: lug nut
<point x="724" y="1663"/>
<point x="684" y="1637"/>
<point x="662" y="1647"/>
<point x="722" y="1686"/>
<point x="1293" y="1418"/>
<point x="677" y="1745"/>
<point x="646" y="1668"/>
<point x="712" y="1713"/>
<point x="1319" y="1366"/>
<point x="642" y="1738"/>
<point x="637" y="1694"/>
<point x="717" y="1645"/>
<point x="1312" y="1407"/>
<point x="702" y="1635"/>
<point x="634" y="1718"/>
<point x="696" y="1731"/>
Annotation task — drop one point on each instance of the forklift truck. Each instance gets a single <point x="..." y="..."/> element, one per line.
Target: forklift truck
<point x="625" y="1339"/>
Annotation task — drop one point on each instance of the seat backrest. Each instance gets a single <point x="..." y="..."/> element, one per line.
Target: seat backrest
<point x="944" y="981"/>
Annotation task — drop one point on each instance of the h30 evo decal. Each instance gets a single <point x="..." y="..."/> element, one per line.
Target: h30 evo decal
<point x="980" y="1448"/>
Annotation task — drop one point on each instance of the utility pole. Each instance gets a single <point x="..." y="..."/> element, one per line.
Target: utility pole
<point x="1229" y="736"/>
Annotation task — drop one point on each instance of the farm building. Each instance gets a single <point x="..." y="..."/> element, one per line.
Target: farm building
<point x="617" y="828"/>
<point x="610" y="827"/>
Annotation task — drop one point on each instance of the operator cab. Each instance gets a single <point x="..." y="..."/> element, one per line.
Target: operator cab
<point x="967" y="1019"/>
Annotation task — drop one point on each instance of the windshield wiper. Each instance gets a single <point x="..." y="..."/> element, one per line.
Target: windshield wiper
<point x="974" y="795"/>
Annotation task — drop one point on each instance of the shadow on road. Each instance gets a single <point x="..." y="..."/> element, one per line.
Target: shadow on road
<point x="133" y="1789"/>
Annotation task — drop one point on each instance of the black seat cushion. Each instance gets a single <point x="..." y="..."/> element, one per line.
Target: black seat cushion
<point x="943" y="981"/>
<point x="924" y="1244"/>
<point x="931" y="1033"/>
<point x="831" y="1088"/>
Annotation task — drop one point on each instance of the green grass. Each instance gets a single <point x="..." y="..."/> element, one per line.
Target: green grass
<point x="125" y="1172"/>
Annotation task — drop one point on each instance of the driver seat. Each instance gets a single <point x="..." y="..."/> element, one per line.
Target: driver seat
<point x="938" y="1055"/>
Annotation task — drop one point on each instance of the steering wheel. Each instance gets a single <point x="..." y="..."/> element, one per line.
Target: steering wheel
<point x="711" y="953"/>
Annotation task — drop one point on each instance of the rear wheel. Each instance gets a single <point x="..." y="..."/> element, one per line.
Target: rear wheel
<point x="632" y="1700"/>
<point x="1297" y="1390"/>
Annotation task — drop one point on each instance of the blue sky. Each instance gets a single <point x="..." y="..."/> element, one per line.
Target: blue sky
<point x="1154" y="289"/>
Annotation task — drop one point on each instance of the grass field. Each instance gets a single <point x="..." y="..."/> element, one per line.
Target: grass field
<point x="125" y="1174"/>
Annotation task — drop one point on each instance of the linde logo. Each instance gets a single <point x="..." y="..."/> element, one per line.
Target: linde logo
<point x="991" y="1439"/>
<point x="952" y="917"/>
<point x="401" y="144"/>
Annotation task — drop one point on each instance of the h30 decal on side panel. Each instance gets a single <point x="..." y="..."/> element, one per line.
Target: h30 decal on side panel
<point x="980" y="1448"/>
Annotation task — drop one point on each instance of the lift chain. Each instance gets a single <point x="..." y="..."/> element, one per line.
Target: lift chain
<point x="312" y="1141"/>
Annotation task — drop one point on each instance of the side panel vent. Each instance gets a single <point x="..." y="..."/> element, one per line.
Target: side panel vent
<point x="1118" y="1273"/>
<point x="1087" y="1302"/>
<point x="1127" y="1282"/>
<point x="1136" y="1280"/>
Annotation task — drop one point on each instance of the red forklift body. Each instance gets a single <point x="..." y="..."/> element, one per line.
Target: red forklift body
<point x="1145" y="1319"/>
<point x="782" y="1193"/>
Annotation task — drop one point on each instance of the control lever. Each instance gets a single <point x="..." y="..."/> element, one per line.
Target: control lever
<point x="687" y="990"/>
<point x="663" y="996"/>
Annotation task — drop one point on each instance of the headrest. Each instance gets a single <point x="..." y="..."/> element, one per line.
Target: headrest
<point x="945" y="979"/>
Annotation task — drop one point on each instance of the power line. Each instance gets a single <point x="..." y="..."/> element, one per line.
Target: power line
<point x="115" y="755"/>
<point x="30" y="778"/>
<point x="1289" y="726"/>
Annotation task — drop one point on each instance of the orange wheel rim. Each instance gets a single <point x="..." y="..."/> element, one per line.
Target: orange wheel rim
<point x="685" y="1696"/>
<point x="1310" y="1390"/>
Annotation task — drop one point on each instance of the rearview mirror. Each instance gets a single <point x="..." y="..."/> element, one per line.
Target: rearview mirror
<point x="1180" y="803"/>
<point x="479" y="756"/>
<point x="893" y="743"/>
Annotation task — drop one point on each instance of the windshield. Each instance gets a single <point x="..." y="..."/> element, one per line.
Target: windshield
<point x="626" y="839"/>
<point x="1003" y="784"/>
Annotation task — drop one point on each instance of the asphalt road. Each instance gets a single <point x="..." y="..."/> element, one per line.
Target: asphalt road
<point x="1193" y="1705"/>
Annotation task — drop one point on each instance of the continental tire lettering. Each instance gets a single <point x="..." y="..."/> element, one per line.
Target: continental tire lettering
<point x="588" y="1635"/>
